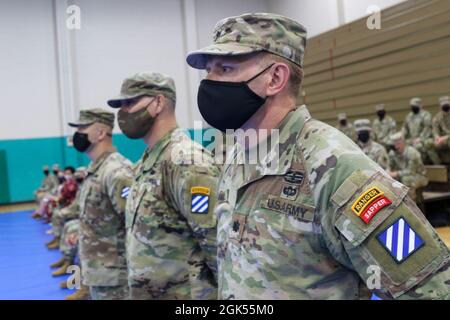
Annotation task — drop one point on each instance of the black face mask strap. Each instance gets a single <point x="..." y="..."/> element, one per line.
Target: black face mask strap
<point x="256" y="76"/>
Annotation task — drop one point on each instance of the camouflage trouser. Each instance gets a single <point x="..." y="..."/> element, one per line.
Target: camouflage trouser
<point x="428" y="152"/>
<point x="109" y="293"/>
<point x="59" y="218"/>
<point x="39" y="196"/>
<point x="444" y="151"/>
<point x="69" y="251"/>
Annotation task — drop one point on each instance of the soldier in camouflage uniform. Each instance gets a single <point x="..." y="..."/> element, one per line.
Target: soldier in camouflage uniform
<point x="417" y="131"/>
<point x="315" y="219"/>
<point x="406" y="166"/>
<point x="346" y="127"/>
<point x="102" y="207"/>
<point x="61" y="215"/>
<point x="441" y="128"/>
<point x="171" y="228"/>
<point x="373" y="150"/>
<point x="48" y="184"/>
<point x="48" y="187"/>
<point x="383" y="126"/>
<point x="69" y="249"/>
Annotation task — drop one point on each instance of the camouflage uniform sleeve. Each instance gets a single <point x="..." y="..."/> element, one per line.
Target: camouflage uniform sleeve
<point x="392" y="128"/>
<point x="405" y="131"/>
<point x="44" y="185"/>
<point x="73" y="208"/>
<point x="413" y="166"/>
<point x="383" y="159"/>
<point x="388" y="240"/>
<point x="435" y="125"/>
<point x="192" y="190"/>
<point x="118" y="183"/>
<point x="427" y="130"/>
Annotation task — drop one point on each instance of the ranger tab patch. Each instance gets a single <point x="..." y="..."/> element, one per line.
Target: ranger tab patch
<point x="370" y="203"/>
<point x="200" y="200"/>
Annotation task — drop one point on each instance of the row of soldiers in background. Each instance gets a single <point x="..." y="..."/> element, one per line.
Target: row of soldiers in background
<point x="404" y="153"/>
<point x="308" y="225"/>
<point x="58" y="200"/>
<point x="430" y="136"/>
<point x="401" y="161"/>
<point x="57" y="190"/>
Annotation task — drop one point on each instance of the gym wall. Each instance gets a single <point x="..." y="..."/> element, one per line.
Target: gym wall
<point x="351" y="69"/>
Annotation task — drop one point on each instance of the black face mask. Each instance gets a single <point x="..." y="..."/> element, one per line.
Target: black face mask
<point x="364" y="136"/>
<point x="228" y="105"/>
<point x="81" y="142"/>
<point x="79" y="180"/>
<point x="446" y="108"/>
<point x="343" y="122"/>
<point x="415" y="109"/>
<point x="55" y="172"/>
<point x="381" y="114"/>
<point x="46" y="172"/>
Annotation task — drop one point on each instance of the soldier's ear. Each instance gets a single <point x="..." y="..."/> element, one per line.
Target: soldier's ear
<point x="160" y="103"/>
<point x="280" y="78"/>
<point x="102" y="133"/>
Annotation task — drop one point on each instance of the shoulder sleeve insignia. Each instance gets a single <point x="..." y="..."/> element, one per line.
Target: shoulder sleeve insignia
<point x="200" y="200"/>
<point x="125" y="192"/>
<point x="400" y="240"/>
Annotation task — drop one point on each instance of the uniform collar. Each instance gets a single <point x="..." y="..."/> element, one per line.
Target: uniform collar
<point x="281" y="159"/>
<point x="94" y="166"/>
<point x="152" y="155"/>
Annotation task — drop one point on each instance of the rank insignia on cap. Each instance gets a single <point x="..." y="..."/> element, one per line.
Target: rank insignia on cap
<point x="125" y="192"/>
<point x="200" y="200"/>
<point x="400" y="240"/>
<point x="370" y="203"/>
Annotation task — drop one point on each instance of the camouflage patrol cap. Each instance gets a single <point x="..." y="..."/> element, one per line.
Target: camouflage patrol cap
<point x="90" y="116"/>
<point x="362" y="125"/>
<point x="380" y="107"/>
<point x="342" y="116"/>
<point x="444" y="101"/>
<point x="55" y="166"/>
<point x="254" y="32"/>
<point x="45" y="168"/>
<point x="396" y="136"/>
<point x="145" y="84"/>
<point x="416" y="102"/>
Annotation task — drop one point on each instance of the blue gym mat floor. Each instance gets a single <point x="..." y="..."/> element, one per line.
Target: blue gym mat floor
<point x="25" y="272"/>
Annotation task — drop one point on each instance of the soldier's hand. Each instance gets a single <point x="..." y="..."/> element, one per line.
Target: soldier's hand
<point x="440" y="140"/>
<point x="416" y="141"/>
<point x="72" y="239"/>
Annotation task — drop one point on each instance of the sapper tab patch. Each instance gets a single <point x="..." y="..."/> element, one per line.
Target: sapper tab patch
<point x="370" y="203"/>
<point x="400" y="240"/>
<point x="200" y="200"/>
<point x="373" y="208"/>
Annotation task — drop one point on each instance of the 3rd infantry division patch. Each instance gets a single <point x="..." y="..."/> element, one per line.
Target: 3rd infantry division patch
<point x="200" y="200"/>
